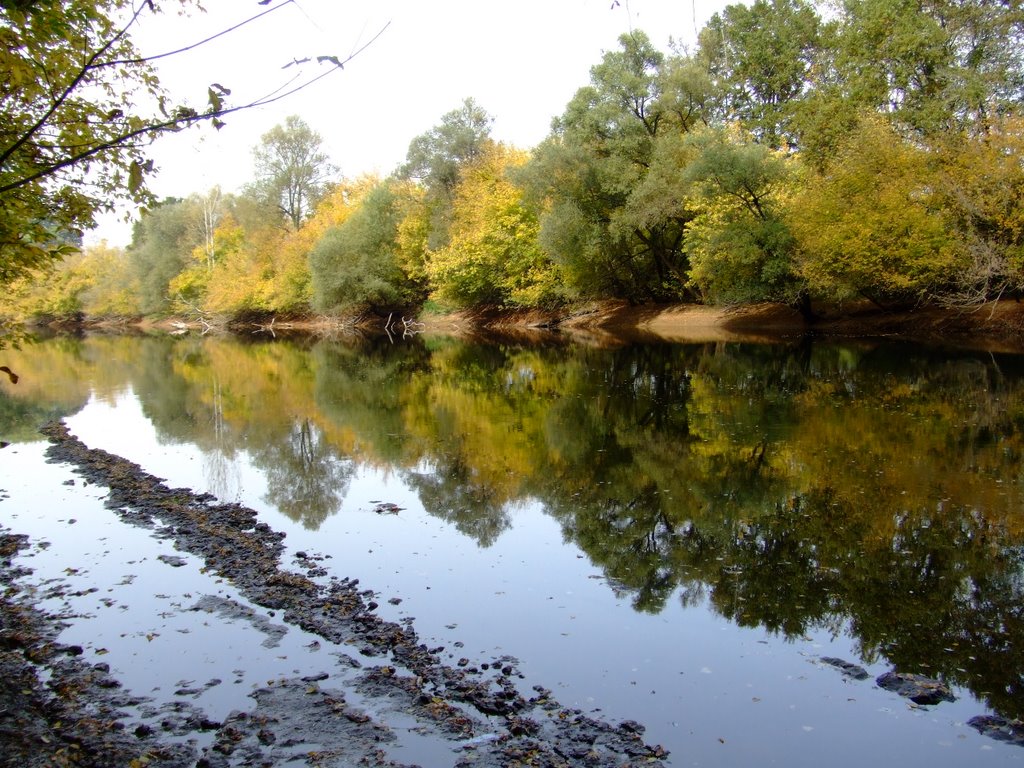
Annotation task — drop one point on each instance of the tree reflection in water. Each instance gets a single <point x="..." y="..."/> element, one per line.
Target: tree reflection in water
<point x="857" y="487"/>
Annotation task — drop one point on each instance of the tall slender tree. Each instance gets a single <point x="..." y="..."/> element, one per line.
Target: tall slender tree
<point x="293" y="172"/>
<point x="436" y="158"/>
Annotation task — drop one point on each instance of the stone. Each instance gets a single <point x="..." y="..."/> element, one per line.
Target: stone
<point x="917" y="688"/>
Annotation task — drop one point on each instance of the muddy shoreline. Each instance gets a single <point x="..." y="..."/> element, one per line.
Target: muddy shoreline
<point x="60" y="710"/>
<point x="996" y="326"/>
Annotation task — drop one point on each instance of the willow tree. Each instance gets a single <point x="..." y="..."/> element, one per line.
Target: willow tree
<point x="609" y="175"/>
<point x="366" y="260"/>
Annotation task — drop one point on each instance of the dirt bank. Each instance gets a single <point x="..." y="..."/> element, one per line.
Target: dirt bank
<point x="998" y="326"/>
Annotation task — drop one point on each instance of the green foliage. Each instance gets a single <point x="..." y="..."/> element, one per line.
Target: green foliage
<point x="762" y="57"/>
<point x="737" y="259"/>
<point x="740" y="245"/>
<point x="358" y="262"/>
<point x="161" y="247"/>
<point x="894" y="56"/>
<point x="615" y="215"/>
<point x="436" y="158"/>
<point x="71" y="83"/>
<point x="293" y="173"/>
<point x="935" y="66"/>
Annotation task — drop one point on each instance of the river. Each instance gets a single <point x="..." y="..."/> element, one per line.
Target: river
<point x="676" y="534"/>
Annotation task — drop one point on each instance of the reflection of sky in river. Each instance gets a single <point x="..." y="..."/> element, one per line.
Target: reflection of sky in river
<point x="711" y="693"/>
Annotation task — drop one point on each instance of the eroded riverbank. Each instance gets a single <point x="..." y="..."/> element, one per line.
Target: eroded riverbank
<point x="995" y="326"/>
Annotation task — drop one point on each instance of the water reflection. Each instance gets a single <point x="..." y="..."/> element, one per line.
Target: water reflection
<point x="863" y="488"/>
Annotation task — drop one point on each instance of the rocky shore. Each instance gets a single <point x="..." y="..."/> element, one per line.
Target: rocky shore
<point x="57" y="709"/>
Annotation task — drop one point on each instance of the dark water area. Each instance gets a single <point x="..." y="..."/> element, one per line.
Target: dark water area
<point x="676" y="534"/>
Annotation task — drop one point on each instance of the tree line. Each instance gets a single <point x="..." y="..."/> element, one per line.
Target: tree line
<point x="870" y="152"/>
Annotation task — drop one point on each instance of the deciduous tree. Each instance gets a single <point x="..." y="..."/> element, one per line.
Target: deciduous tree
<point x="980" y="187"/>
<point x="162" y="244"/>
<point x="436" y="158"/>
<point x="761" y="57"/>
<point x="870" y="227"/>
<point x="740" y="244"/>
<point x="494" y="256"/>
<point x="615" y="216"/>
<point x="936" y="65"/>
<point x="359" y="263"/>
<point x="293" y="172"/>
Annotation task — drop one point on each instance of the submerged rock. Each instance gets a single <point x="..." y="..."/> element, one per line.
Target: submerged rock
<point x="999" y="728"/>
<point x="849" y="669"/>
<point x="917" y="688"/>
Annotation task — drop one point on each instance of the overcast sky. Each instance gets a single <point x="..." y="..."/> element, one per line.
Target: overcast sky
<point x="522" y="60"/>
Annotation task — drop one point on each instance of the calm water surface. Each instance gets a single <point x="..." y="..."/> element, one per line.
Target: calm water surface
<point x="674" y="534"/>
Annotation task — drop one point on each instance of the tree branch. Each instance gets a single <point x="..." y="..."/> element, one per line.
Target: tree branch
<point x="173" y="124"/>
<point x="239" y="25"/>
<point x="63" y="97"/>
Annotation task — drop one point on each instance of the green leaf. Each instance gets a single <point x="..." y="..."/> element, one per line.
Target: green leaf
<point x="135" y="177"/>
<point x="216" y="102"/>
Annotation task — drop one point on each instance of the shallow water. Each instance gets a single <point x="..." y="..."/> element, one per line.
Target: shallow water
<point x="671" y="534"/>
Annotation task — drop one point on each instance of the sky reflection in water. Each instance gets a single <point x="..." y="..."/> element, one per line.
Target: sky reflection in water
<point x="671" y="534"/>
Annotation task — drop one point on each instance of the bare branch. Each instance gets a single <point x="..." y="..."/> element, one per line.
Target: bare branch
<point x="173" y="124"/>
<point x="239" y="25"/>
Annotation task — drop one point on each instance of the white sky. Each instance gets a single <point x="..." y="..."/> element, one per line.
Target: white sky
<point x="522" y="60"/>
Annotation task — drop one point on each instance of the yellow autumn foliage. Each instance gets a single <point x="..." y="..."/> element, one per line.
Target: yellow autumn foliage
<point x="870" y="227"/>
<point x="493" y="255"/>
